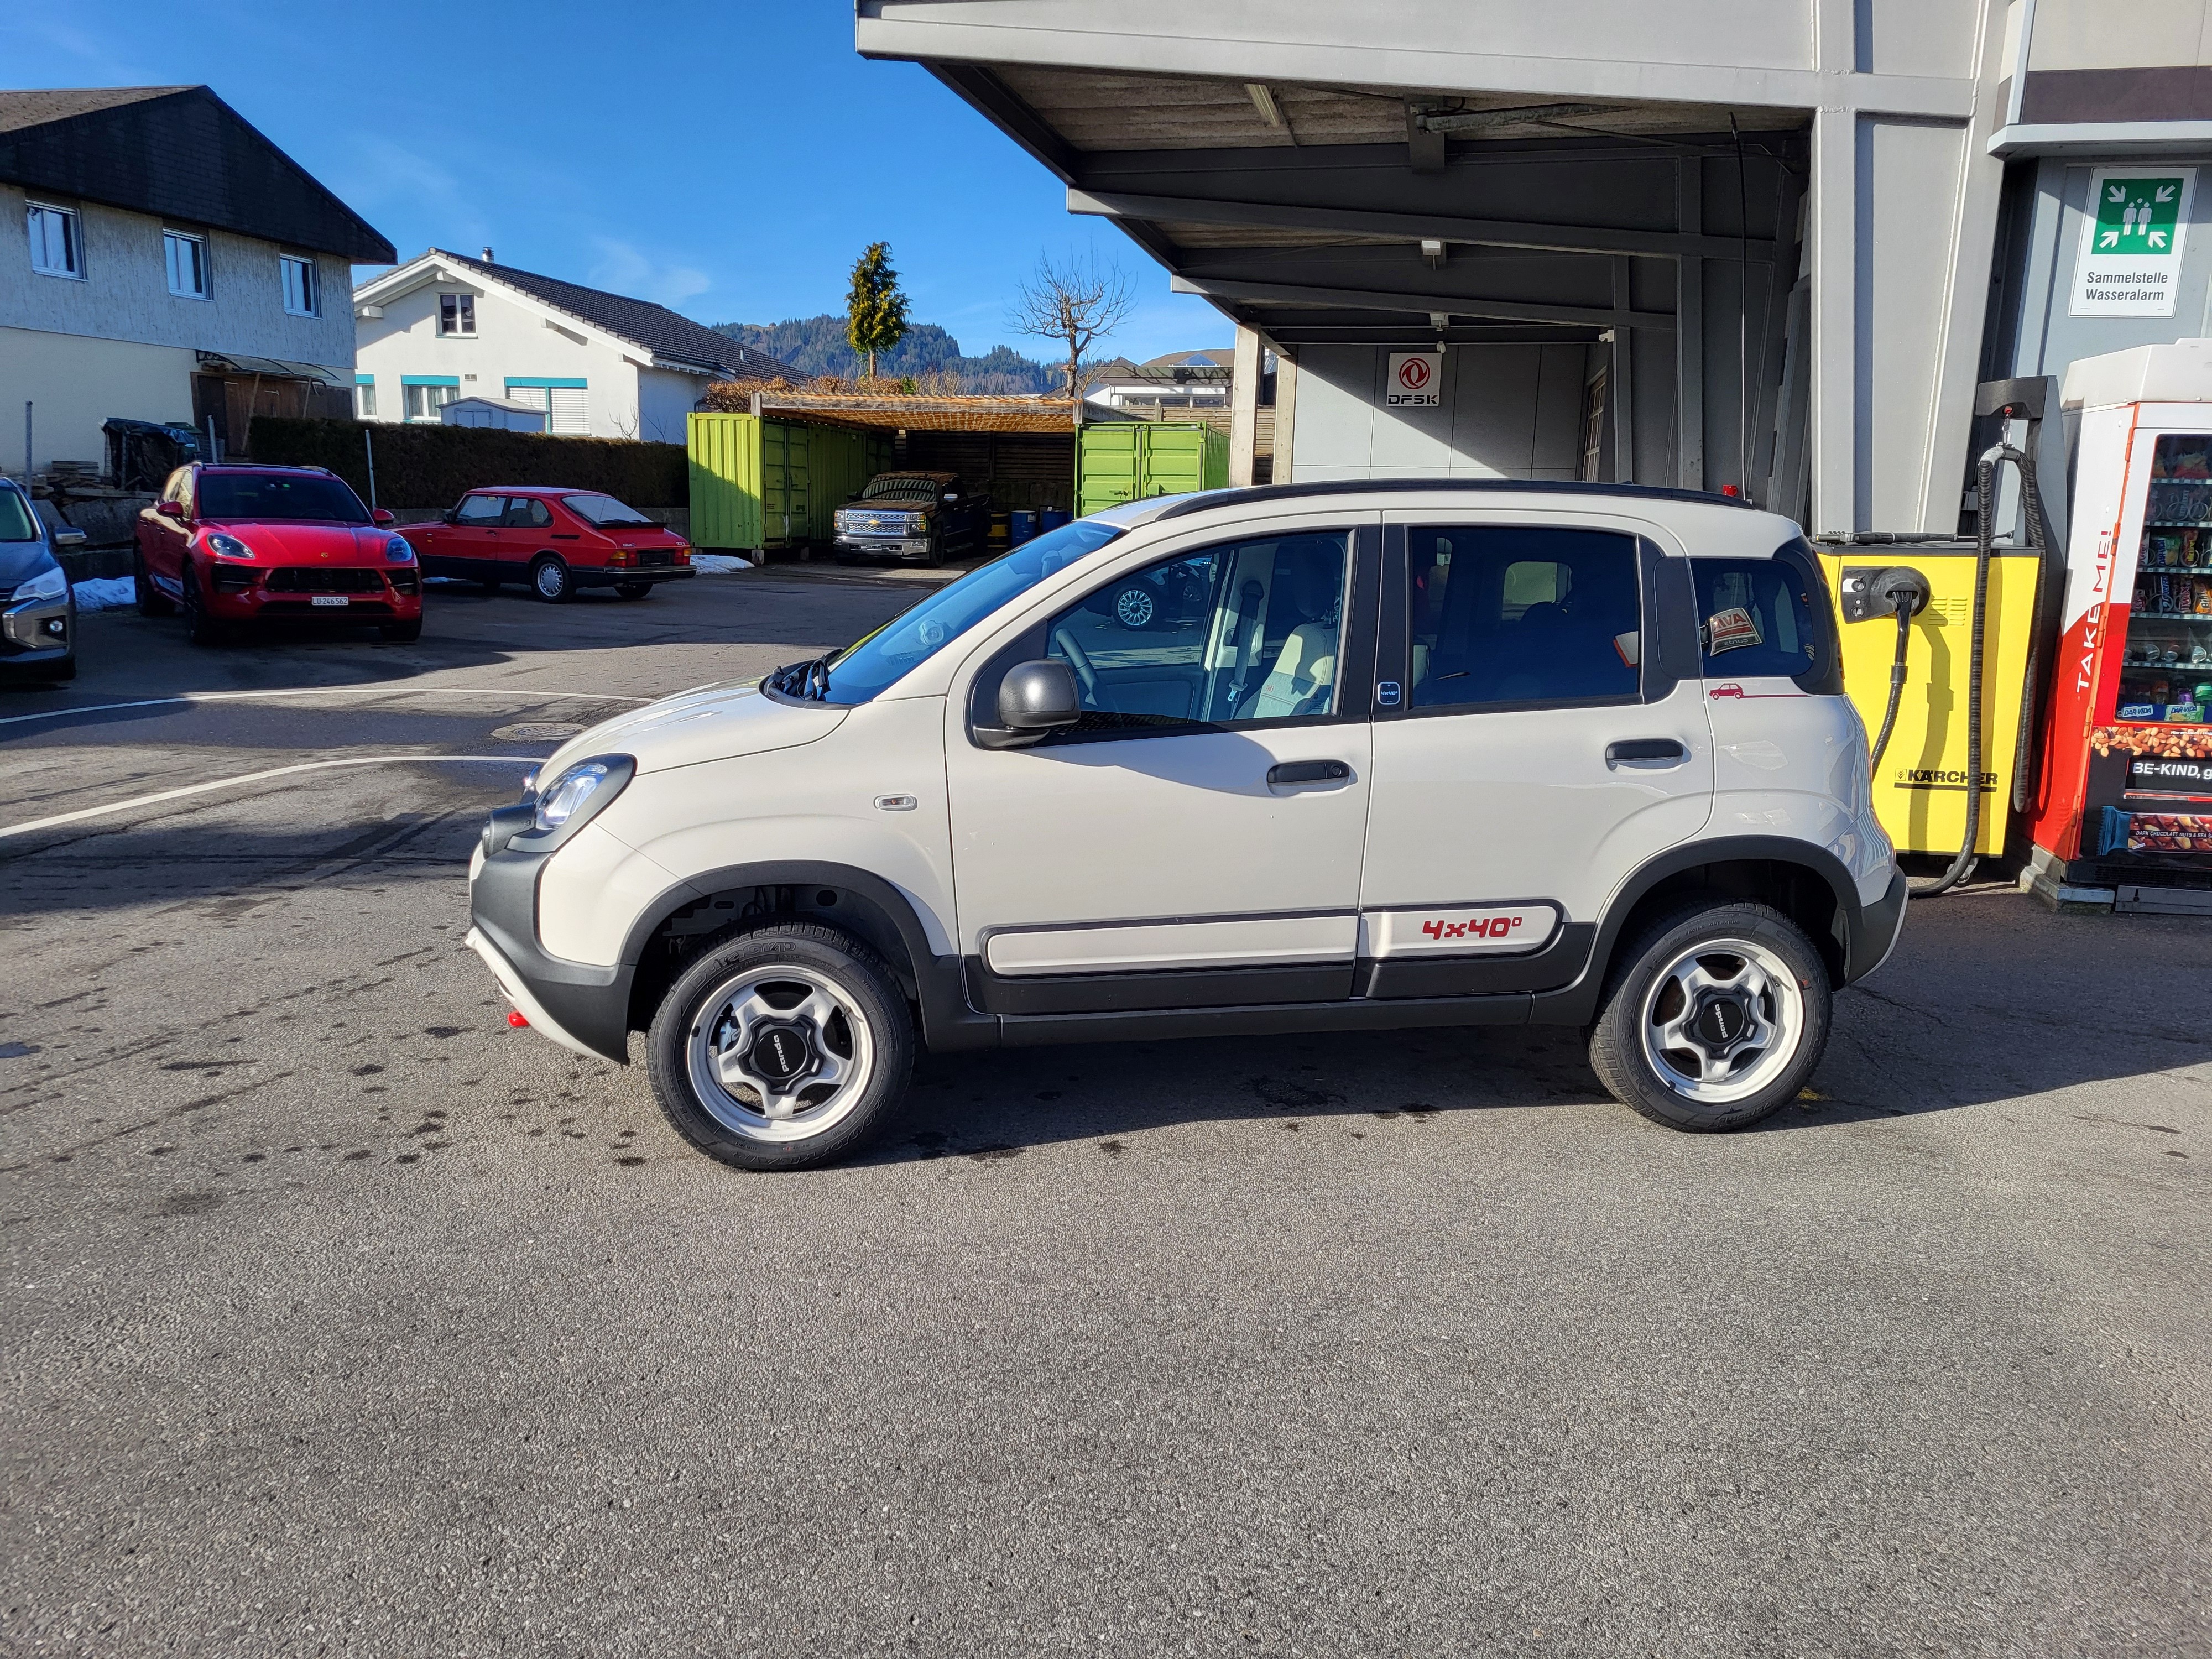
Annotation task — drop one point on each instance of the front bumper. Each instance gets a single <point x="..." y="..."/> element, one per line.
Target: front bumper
<point x="579" y="1004"/>
<point x="37" y="634"/>
<point x="590" y="575"/>
<point x="885" y="547"/>
<point x="244" y="592"/>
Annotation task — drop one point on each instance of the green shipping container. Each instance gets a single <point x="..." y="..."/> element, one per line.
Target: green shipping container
<point x="1121" y="460"/>
<point x="760" y="482"/>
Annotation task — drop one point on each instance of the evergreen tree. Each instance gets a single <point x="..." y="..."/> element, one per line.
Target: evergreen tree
<point x="875" y="310"/>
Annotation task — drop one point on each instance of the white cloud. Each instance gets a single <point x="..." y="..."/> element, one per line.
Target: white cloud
<point x="624" y="268"/>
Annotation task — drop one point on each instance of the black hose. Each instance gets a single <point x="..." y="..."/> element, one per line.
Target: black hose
<point x="1896" y="685"/>
<point x="1963" y="865"/>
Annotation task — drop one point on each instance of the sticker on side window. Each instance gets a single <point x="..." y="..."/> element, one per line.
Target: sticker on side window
<point x="1630" y="646"/>
<point x="1731" y="630"/>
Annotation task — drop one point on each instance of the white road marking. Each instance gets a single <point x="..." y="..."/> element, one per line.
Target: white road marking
<point x="160" y="796"/>
<point x="517" y="692"/>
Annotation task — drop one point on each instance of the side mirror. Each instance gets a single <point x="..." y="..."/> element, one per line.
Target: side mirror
<point x="1034" y="698"/>
<point x="447" y="517"/>
<point x="379" y="515"/>
<point x="952" y="497"/>
<point x="70" y="538"/>
<point x="170" y="509"/>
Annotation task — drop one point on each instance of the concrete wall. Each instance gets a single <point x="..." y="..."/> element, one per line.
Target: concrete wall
<point x="125" y="294"/>
<point x="1508" y="411"/>
<point x="75" y="383"/>
<point x="512" y="338"/>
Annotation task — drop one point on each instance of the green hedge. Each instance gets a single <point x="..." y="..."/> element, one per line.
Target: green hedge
<point x="425" y="466"/>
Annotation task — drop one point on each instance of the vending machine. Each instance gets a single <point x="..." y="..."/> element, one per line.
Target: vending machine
<point x="2122" y="805"/>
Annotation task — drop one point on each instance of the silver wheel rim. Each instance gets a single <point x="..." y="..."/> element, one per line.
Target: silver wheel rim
<point x="779" y="1054"/>
<point x="1722" y="1020"/>
<point x="1132" y="608"/>
<point x="551" y="579"/>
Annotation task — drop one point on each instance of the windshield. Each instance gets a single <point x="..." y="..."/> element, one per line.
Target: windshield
<point x="17" y="523"/>
<point x="606" y="512"/>
<point x="906" y="489"/>
<point x="901" y="644"/>
<point x="264" y="497"/>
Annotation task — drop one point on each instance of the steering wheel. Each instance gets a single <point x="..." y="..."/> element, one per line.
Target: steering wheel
<point x="1064" y="642"/>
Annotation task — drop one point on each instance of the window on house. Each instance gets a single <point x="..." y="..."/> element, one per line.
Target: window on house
<point x="302" y="295"/>
<point x="424" y="402"/>
<point x="456" y="313"/>
<point x="364" y="396"/>
<point x="57" y="244"/>
<point x="186" y="257"/>
<point x="567" y="412"/>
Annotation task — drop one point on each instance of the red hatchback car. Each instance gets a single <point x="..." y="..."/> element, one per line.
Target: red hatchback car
<point x="234" y="544"/>
<point x="556" y="540"/>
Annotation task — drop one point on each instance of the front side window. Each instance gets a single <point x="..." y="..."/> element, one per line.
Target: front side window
<point x="302" y="295"/>
<point x="1244" y="632"/>
<point x="264" y="497"/>
<point x="1766" y="617"/>
<point x="186" y="258"/>
<point x="480" y="512"/>
<point x="57" y="241"/>
<point x="880" y="659"/>
<point x="1502" y="615"/>
<point x="424" y="402"/>
<point x="456" y="313"/>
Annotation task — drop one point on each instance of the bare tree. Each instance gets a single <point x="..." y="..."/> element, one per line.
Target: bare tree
<point x="1077" y="302"/>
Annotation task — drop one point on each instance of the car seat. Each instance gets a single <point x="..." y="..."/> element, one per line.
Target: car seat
<point x="1302" y="679"/>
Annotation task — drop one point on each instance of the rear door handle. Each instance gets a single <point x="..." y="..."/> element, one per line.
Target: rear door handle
<point x="1322" y="771"/>
<point x="1646" y="748"/>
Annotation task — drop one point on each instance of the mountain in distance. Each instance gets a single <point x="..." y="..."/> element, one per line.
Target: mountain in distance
<point x="817" y="344"/>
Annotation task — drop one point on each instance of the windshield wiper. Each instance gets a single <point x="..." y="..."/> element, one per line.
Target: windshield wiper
<point x="809" y="679"/>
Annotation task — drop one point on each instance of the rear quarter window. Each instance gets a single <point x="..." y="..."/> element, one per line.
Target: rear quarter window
<point x="1768" y="618"/>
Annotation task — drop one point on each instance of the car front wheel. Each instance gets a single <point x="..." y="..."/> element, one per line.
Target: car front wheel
<point x="550" y="581"/>
<point x="781" y="1048"/>
<point x="1718" y="1017"/>
<point x="152" y="602"/>
<point x="200" y="627"/>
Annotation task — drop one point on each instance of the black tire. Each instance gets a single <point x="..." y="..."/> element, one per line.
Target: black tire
<point x="152" y="601"/>
<point x="632" y="590"/>
<point x="200" y="628"/>
<point x="401" y="633"/>
<point x="489" y="584"/>
<point x="1646" y="994"/>
<point x="818" y="953"/>
<point x="549" y="579"/>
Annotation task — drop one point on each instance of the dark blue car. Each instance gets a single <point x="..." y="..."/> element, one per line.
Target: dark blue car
<point x="37" y="615"/>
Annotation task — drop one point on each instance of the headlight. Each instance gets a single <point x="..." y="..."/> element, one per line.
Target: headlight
<point x="916" y="523"/>
<point x="229" y="547"/>
<point x="47" y="585"/>
<point x="398" y="549"/>
<point x="576" y="788"/>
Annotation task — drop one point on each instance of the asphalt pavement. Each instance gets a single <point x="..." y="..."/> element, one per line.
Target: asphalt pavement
<point x="340" y="1319"/>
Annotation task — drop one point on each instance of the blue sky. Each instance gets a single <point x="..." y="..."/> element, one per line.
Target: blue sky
<point x="729" y="160"/>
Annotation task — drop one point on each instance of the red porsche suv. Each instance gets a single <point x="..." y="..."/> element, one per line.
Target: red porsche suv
<point x="234" y="544"/>
<point x="554" y="541"/>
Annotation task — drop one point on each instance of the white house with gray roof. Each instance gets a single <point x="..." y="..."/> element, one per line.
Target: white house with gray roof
<point x="444" y="326"/>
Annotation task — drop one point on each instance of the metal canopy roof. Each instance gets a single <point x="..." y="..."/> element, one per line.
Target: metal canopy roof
<point x="1352" y="214"/>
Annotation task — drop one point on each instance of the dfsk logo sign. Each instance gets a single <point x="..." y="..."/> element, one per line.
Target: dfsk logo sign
<point x="1416" y="380"/>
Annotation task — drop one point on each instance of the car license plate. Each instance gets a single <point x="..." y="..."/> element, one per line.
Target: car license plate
<point x="914" y="547"/>
<point x="329" y="598"/>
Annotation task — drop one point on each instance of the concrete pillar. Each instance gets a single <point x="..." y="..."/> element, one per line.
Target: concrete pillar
<point x="1244" y="407"/>
<point x="1286" y="412"/>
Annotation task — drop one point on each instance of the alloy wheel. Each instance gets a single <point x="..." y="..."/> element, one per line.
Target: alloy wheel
<point x="1722" y="1020"/>
<point x="1134" y="608"/>
<point x="779" y="1052"/>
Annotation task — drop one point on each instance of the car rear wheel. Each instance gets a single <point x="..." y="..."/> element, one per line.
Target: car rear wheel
<point x="632" y="590"/>
<point x="549" y="579"/>
<point x="1717" y="1016"/>
<point x="200" y="627"/>
<point x="152" y="601"/>
<point x="781" y="1048"/>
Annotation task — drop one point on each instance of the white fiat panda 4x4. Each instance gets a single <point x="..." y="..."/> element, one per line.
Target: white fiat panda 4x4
<point x="1377" y="755"/>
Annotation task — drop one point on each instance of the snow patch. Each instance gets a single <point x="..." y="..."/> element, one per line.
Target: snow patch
<point x="719" y="564"/>
<point x="106" y="593"/>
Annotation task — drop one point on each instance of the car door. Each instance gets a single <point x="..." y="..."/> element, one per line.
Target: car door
<point x="468" y="546"/>
<point x="1539" y="733"/>
<point x="1195" y="841"/>
<point x="523" y="533"/>
<point x="161" y="536"/>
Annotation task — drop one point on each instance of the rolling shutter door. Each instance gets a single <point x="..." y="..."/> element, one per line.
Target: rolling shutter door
<point x="568" y="415"/>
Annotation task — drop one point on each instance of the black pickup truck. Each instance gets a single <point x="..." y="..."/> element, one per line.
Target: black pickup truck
<point x="923" y="518"/>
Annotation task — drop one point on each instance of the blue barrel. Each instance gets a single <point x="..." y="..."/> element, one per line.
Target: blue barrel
<point x="1022" y="526"/>
<point x="1054" y="518"/>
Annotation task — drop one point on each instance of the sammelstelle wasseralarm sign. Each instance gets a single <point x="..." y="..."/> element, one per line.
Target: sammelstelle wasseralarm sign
<point x="2129" y="262"/>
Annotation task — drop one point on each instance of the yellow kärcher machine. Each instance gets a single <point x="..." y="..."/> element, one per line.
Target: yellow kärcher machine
<point x="1948" y="774"/>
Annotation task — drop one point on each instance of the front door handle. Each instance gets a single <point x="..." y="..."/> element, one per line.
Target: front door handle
<point x="1646" y="748"/>
<point x="1322" y="771"/>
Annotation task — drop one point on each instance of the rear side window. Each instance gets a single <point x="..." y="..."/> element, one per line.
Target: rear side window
<point x="527" y="512"/>
<point x="481" y="510"/>
<point x="1506" y="615"/>
<point x="1768" y="618"/>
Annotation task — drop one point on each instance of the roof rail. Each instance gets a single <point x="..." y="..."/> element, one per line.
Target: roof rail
<point x="1203" y="500"/>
